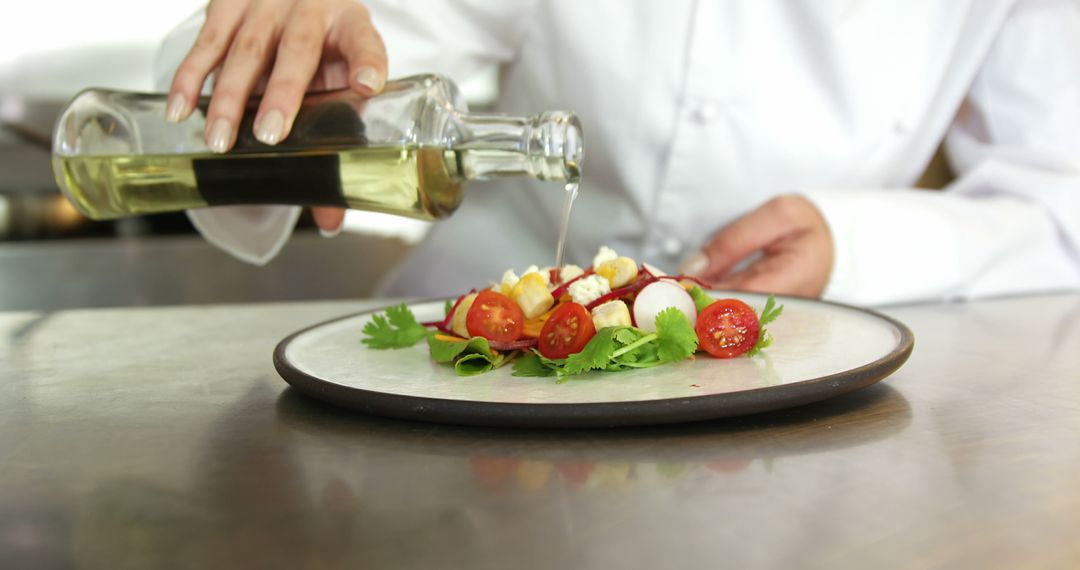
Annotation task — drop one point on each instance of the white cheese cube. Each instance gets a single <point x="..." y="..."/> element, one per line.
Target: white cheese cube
<point x="506" y="285"/>
<point x="588" y="289"/>
<point x="569" y="272"/>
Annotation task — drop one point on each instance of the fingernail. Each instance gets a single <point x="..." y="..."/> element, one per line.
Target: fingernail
<point x="368" y="77"/>
<point x="220" y="136"/>
<point x="176" y="109"/>
<point x="270" y="128"/>
<point x="695" y="265"/>
<point x="330" y="233"/>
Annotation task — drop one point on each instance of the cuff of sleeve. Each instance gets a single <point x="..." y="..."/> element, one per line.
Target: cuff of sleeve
<point x="254" y="234"/>
<point x="889" y="247"/>
<point x="837" y="212"/>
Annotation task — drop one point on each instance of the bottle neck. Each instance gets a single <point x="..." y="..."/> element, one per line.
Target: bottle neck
<point x="547" y="147"/>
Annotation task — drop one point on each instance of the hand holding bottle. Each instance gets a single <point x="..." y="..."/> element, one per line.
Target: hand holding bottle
<point x="289" y="46"/>
<point x="285" y="46"/>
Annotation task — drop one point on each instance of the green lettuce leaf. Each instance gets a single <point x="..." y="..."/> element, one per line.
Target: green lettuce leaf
<point x="470" y="357"/>
<point x="532" y="364"/>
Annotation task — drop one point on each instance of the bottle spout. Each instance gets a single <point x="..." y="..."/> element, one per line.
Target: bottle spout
<point x="549" y="146"/>
<point x="556" y="146"/>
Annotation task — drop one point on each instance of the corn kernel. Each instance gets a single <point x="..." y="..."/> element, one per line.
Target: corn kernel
<point x="611" y="314"/>
<point x="457" y="322"/>
<point x="532" y="295"/>
<point x="619" y="272"/>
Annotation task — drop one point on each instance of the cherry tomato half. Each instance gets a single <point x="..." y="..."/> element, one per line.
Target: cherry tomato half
<point x="727" y="328"/>
<point x="495" y="316"/>
<point x="566" y="331"/>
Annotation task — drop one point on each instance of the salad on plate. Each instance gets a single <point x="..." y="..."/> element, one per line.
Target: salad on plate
<point x="612" y="315"/>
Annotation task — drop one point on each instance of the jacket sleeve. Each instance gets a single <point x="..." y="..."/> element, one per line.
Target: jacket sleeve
<point x="1010" y="222"/>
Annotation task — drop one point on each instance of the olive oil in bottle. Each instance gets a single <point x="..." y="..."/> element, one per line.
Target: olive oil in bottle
<point x="416" y="182"/>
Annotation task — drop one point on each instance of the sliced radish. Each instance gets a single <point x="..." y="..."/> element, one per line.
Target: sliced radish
<point x="652" y="270"/>
<point x="660" y="295"/>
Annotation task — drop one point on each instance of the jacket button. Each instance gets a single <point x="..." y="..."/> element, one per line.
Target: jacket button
<point x="706" y="112"/>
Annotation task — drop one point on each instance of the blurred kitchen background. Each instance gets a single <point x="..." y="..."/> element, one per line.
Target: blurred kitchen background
<point x="52" y="258"/>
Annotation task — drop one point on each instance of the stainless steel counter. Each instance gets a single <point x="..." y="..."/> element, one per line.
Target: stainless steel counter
<point x="185" y="269"/>
<point x="163" y="438"/>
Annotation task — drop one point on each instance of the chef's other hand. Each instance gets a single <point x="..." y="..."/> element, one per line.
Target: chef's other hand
<point x="291" y="46"/>
<point x="785" y="242"/>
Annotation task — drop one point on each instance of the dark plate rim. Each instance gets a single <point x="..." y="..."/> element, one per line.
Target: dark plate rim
<point x="597" y="414"/>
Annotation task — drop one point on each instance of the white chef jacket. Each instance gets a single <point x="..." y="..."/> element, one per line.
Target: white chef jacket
<point x="697" y="111"/>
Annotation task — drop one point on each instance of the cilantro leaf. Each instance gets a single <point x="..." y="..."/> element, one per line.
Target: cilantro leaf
<point x="627" y="335"/>
<point x="675" y="337"/>
<point x="764" y="341"/>
<point x="701" y="298"/>
<point x="768" y="315"/>
<point x="595" y="355"/>
<point x="396" y="329"/>
<point x="643" y="355"/>
<point x="771" y="311"/>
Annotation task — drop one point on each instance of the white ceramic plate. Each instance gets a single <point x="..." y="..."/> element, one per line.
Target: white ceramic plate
<point x="820" y="350"/>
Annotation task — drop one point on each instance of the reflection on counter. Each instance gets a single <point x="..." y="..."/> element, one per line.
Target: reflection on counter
<point x="304" y="485"/>
<point x="537" y="475"/>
